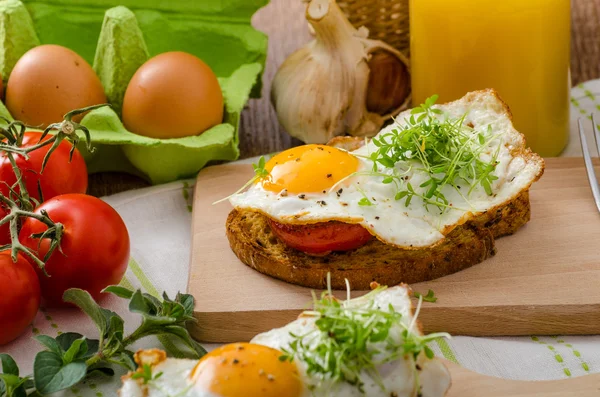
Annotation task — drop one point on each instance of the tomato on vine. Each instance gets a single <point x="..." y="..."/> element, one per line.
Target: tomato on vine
<point x="35" y="165"/>
<point x="19" y="296"/>
<point x="62" y="174"/>
<point x="94" y="246"/>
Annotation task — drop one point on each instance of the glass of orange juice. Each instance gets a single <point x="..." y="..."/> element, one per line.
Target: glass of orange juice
<point x="519" y="47"/>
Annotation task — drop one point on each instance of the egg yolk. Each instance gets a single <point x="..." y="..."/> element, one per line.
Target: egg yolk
<point x="245" y="369"/>
<point x="308" y="169"/>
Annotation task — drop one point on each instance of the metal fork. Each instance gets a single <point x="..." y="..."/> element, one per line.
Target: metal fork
<point x="587" y="157"/>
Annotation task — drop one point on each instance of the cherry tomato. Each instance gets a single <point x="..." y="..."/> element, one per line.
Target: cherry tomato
<point x="59" y="177"/>
<point x="322" y="237"/>
<point x="95" y="246"/>
<point x="19" y="296"/>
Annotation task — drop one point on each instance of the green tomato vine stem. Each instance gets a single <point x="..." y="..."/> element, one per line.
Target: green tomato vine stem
<point x="18" y="203"/>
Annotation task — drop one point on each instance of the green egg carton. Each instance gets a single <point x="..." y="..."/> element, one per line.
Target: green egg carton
<point x="117" y="38"/>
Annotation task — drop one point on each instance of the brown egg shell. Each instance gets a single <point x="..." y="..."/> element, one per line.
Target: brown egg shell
<point x="172" y="95"/>
<point x="49" y="81"/>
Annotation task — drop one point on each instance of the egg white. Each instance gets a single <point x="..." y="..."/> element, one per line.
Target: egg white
<point x="389" y="219"/>
<point x="174" y="381"/>
<point x="399" y="378"/>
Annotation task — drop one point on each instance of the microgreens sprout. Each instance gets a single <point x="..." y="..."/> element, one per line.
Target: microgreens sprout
<point x="259" y="168"/>
<point x="146" y="374"/>
<point x="260" y="172"/>
<point x="447" y="149"/>
<point x="430" y="297"/>
<point x="364" y="201"/>
<point x="351" y="339"/>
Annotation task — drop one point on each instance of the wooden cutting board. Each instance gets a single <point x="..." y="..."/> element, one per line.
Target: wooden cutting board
<point x="544" y="280"/>
<point x="467" y="383"/>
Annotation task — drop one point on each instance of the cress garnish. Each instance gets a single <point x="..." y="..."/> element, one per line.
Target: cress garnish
<point x="444" y="147"/>
<point x="430" y="297"/>
<point x="260" y="172"/>
<point x="348" y="339"/>
<point x="146" y="374"/>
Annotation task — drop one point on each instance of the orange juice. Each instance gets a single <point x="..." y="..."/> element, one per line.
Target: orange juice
<point x="519" y="47"/>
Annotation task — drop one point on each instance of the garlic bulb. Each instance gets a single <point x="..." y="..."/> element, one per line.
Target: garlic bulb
<point x="321" y="90"/>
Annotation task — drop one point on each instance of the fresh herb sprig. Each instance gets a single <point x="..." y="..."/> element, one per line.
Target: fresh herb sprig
<point x="350" y="339"/>
<point x="146" y="374"/>
<point x="445" y="148"/>
<point x="71" y="357"/>
<point x="430" y="297"/>
<point x="260" y="172"/>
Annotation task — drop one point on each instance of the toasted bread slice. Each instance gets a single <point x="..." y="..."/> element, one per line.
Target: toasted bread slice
<point x="255" y="244"/>
<point x="470" y="242"/>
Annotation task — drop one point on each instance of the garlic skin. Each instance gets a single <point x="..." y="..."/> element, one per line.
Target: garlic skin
<point x="320" y="91"/>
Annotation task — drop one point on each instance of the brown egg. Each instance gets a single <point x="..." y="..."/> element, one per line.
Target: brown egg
<point x="172" y="95"/>
<point x="49" y="81"/>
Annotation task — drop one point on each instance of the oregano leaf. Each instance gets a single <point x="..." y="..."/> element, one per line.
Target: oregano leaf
<point x="154" y="303"/>
<point x="125" y="359"/>
<point x="50" y="375"/>
<point x="116" y="326"/>
<point x="74" y="350"/>
<point x="12" y="385"/>
<point x="187" y="301"/>
<point x="183" y="335"/>
<point x="119" y="291"/>
<point x="138" y="304"/>
<point x="105" y="371"/>
<point x="50" y="343"/>
<point x="66" y="339"/>
<point x="88" y="305"/>
<point x="9" y="366"/>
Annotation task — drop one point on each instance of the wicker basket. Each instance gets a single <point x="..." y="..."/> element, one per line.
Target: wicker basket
<point x="387" y="20"/>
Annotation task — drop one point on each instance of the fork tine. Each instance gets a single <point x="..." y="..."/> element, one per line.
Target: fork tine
<point x="588" y="161"/>
<point x="596" y="134"/>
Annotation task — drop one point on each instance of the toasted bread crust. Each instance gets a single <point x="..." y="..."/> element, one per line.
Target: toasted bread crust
<point x="254" y="243"/>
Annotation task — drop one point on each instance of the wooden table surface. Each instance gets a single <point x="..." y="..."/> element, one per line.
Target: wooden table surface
<point x="283" y="21"/>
